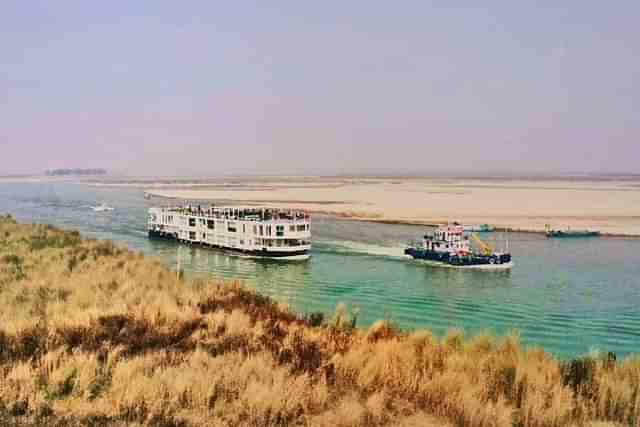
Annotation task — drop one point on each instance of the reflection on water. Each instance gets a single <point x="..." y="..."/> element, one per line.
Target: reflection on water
<point x="283" y="280"/>
<point x="570" y="296"/>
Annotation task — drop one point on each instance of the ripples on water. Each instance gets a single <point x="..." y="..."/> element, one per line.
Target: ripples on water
<point x="569" y="296"/>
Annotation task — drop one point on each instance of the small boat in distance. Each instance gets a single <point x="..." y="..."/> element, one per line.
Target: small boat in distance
<point x="479" y="228"/>
<point x="549" y="232"/>
<point x="450" y="247"/>
<point x="102" y="208"/>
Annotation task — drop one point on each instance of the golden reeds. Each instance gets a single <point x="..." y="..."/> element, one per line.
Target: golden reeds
<point x="93" y="334"/>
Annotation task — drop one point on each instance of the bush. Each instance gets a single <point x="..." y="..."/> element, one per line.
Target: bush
<point x="8" y="219"/>
<point x="579" y="374"/>
<point x="52" y="238"/>
<point x="343" y="320"/>
<point x="16" y="263"/>
<point x="315" y="319"/>
<point x="12" y="259"/>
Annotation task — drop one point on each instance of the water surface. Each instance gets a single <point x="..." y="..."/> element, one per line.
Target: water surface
<point x="570" y="296"/>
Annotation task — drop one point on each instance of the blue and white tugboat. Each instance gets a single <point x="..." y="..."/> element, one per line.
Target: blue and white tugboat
<point x="449" y="246"/>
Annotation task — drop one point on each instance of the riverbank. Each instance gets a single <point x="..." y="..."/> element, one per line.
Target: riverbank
<point x="93" y="333"/>
<point x="612" y="207"/>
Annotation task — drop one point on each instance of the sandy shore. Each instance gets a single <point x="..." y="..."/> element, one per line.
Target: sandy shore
<point x="613" y="207"/>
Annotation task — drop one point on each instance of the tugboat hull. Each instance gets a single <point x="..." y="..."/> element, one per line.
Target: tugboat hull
<point x="474" y="261"/>
<point x="482" y="267"/>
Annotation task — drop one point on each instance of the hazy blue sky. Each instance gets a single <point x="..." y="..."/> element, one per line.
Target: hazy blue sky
<point x="328" y="86"/>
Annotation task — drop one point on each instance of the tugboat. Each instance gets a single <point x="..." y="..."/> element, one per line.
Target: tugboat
<point x="482" y="228"/>
<point x="449" y="246"/>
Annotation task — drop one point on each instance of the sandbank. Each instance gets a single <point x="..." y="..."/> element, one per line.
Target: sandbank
<point x="613" y="207"/>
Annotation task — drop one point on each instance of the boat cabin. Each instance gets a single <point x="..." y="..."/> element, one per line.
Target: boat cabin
<point x="448" y="238"/>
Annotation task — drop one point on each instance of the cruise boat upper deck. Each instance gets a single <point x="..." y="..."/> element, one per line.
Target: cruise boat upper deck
<point x="240" y="213"/>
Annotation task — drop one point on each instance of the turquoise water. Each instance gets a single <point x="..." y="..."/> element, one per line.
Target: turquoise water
<point x="568" y="296"/>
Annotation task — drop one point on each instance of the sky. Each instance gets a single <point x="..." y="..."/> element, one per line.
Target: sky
<point x="208" y="87"/>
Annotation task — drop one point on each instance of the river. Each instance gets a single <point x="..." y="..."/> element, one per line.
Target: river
<point x="570" y="296"/>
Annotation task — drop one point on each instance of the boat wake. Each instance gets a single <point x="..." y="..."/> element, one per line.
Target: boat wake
<point x="366" y="248"/>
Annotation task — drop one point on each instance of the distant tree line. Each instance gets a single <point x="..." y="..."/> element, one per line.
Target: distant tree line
<point x="59" y="172"/>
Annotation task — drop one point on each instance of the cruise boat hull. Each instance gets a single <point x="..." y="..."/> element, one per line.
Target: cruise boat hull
<point x="256" y="254"/>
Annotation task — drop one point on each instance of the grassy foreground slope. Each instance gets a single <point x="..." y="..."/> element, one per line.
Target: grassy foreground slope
<point x="93" y="334"/>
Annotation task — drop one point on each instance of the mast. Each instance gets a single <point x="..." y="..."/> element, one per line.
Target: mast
<point x="178" y="270"/>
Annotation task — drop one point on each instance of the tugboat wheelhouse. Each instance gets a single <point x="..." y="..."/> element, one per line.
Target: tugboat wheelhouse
<point x="260" y="232"/>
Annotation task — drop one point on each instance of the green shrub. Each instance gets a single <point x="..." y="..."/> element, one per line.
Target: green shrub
<point x="315" y="319"/>
<point x="579" y="374"/>
<point x="16" y="263"/>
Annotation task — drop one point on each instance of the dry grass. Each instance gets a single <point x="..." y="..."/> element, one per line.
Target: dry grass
<point x="92" y="334"/>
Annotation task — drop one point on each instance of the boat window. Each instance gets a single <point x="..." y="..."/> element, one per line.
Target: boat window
<point x="192" y="222"/>
<point x="255" y="230"/>
<point x="262" y="230"/>
<point x="302" y="227"/>
<point x="292" y="228"/>
<point x="210" y="224"/>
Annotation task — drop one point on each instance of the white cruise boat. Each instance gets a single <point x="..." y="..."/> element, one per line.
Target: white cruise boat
<point x="252" y="231"/>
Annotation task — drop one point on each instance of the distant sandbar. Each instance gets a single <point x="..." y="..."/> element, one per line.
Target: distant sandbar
<point x="613" y="207"/>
